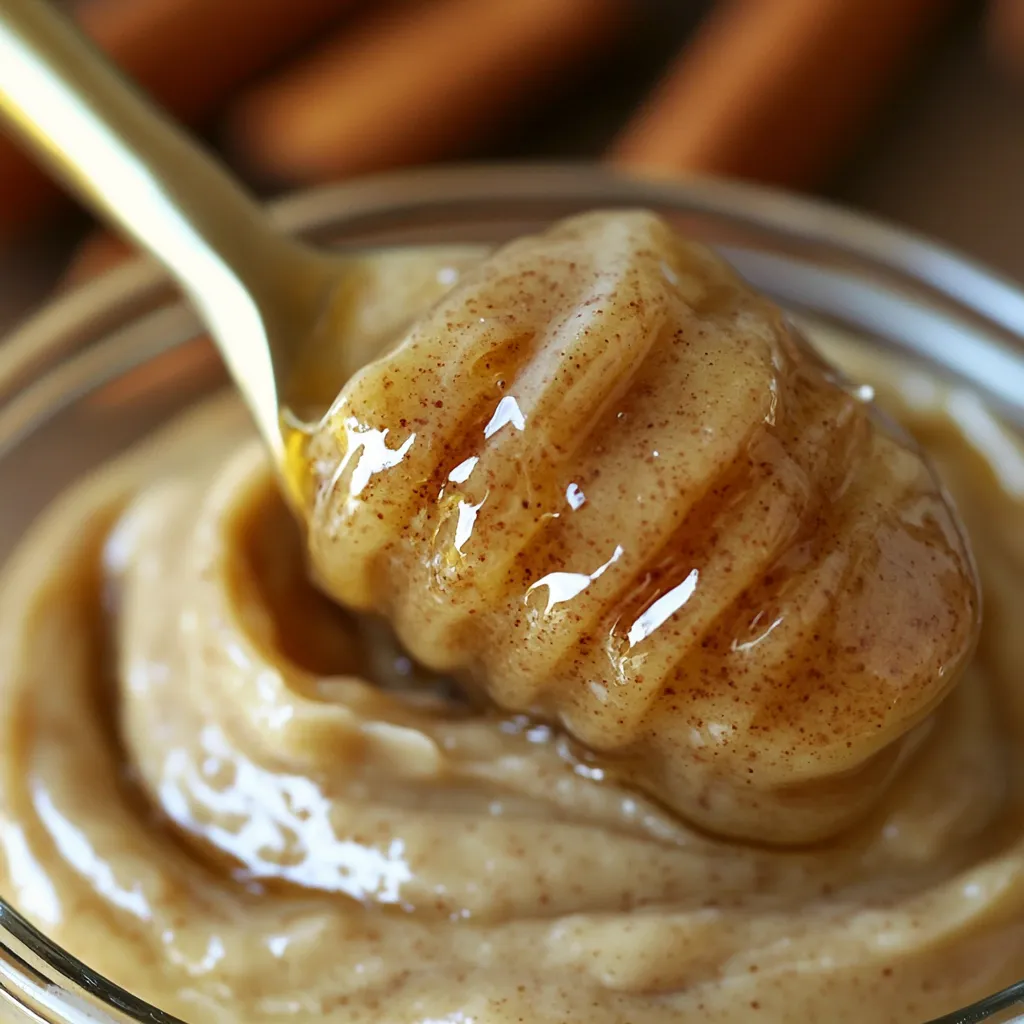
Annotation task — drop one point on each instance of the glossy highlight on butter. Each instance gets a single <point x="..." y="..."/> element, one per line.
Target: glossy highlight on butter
<point x="611" y="484"/>
<point x="247" y="805"/>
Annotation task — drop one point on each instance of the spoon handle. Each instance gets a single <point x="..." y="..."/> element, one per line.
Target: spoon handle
<point x="142" y="174"/>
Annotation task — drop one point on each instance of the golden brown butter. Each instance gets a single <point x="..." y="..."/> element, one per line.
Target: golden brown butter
<point x="249" y="808"/>
<point x="607" y="480"/>
<point x="242" y="828"/>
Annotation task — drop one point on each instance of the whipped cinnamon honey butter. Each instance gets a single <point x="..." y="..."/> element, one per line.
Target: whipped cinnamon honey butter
<point x="628" y="667"/>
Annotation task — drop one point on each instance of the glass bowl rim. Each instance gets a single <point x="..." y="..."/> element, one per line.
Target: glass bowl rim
<point x="991" y="294"/>
<point x="129" y="290"/>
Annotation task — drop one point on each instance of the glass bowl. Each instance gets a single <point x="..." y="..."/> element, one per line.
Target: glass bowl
<point x="61" y="411"/>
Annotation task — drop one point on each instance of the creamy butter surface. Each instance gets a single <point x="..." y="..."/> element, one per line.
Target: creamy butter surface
<point x="243" y="805"/>
<point x="609" y="484"/>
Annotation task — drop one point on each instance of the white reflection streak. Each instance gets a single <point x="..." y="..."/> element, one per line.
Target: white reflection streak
<point x="374" y="456"/>
<point x="466" y="522"/>
<point x="461" y="473"/>
<point x="508" y="411"/>
<point x="31" y="885"/>
<point x="564" y="586"/>
<point x="663" y="609"/>
<point x="576" y="497"/>
<point x="751" y="644"/>
<point x="272" y="812"/>
<point x="669" y="274"/>
<point x="76" y="849"/>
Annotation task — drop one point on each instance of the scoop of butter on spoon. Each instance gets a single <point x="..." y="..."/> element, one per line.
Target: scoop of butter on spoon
<point x="601" y="478"/>
<point x="609" y="482"/>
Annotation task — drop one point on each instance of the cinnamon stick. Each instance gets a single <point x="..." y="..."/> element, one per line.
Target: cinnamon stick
<point x="188" y="54"/>
<point x="776" y="90"/>
<point x="1004" y="29"/>
<point x="414" y="84"/>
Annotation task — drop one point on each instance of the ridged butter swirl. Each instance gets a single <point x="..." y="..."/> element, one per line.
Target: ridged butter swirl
<point x="606" y="480"/>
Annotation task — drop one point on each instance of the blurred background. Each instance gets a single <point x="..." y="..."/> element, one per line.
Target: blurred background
<point x="908" y="109"/>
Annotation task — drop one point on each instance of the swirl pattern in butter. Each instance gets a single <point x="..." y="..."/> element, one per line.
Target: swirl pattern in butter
<point x="606" y="480"/>
<point x="249" y="807"/>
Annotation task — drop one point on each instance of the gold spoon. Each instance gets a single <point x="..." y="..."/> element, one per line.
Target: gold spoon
<point x="261" y="294"/>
